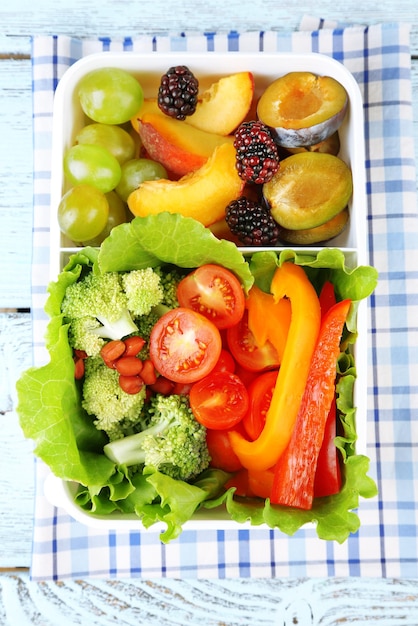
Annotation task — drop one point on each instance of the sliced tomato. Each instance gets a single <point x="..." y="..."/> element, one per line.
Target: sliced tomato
<point x="221" y="453"/>
<point x="219" y="401"/>
<point x="226" y="362"/>
<point x="184" y="345"/>
<point x="215" y="292"/>
<point x="245" y="350"/>
<point x="260" y="393"/>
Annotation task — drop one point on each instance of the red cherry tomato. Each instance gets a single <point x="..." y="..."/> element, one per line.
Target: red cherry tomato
<point x="245" y="351"/>
<point x="260" y="392"/>
<point x="219" y="400"/>
<point x="215" y="292"/>
<point x="222" y="455"/>
<point x="225" y="362"/>
<point x="184" y="345"/>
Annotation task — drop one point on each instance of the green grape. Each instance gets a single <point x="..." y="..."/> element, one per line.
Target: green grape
<point x="135" y="172"/>
<point x="83" y="213"/>
<point x="92" y="165"/>
<point x="113" y="138"/>
<point x="110" y="95"/>
<point x="117" y="215"/>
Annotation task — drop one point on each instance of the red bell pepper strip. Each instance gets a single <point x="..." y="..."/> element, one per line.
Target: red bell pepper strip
<point x="289" y="281"/>
<point x="294" y="476"/>
<point x="327" y="298"/>
<point x="328" y="471"/>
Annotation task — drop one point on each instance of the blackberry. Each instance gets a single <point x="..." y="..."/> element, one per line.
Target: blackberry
<point x="177" y="94"/>
<point x="257" y="158"/>
<point x="251" y="222"/>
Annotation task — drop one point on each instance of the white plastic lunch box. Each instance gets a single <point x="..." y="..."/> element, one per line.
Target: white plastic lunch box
<point x="68" y="119"/>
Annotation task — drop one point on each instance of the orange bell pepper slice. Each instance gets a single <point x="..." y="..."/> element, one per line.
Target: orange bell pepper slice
<point x="289" y="281"/>
<point x="268" y="320"/>
<point x="294" y="475"/>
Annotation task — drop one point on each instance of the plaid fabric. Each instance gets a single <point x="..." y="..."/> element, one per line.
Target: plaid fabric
<point x="386" y="544"/>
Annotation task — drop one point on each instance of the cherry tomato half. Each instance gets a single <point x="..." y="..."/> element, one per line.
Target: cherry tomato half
<point x="219" y="400"/>
<point x="184" y="345"/>
<point x="225" y="362"/>
<point x="215" y="292"/>
<point x="222" y="455"/>
<point x="246" y="352"/>
<point x="260" y="393"/>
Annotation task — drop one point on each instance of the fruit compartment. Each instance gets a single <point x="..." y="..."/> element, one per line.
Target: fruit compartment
<point x="68" y="119"/>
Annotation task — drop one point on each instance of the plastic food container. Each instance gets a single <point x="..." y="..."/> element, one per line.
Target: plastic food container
<point x="68" y="119"/>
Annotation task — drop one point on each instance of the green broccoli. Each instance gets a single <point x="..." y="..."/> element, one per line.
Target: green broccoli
<point x="173" y="441"/>
<point x="170" y="278"/>
<point x="143" y="290"/>
<point x="82" y="337"/>
<point x="97" y="297"/>
<point x="116" y="412"/>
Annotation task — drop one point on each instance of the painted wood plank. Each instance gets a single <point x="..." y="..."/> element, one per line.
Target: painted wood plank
<point x="15" y="182"/>
<point x="25" y="18"/>
<point x="16" y="459"/>
<point x="307" y="602"/>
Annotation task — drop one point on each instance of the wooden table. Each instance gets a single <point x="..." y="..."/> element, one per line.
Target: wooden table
<point x="331" y="601"/>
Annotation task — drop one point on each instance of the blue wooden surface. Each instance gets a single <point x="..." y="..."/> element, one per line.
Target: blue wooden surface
<point x="384" y="602"/>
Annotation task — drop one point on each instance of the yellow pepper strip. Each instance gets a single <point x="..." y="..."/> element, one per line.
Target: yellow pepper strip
<point x="289" y="281"/>
<point x="268" y="320"/>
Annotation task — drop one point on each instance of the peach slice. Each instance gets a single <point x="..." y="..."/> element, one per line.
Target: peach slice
<point x="222" y="107"/>
<point x="203" y="194"/>
<point x="302" y="108"/>
<point x="149" y="105"/>
<point x="179" y="147"/>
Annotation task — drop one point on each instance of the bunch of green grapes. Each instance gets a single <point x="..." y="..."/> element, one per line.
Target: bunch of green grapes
<point x="102" y="166"/>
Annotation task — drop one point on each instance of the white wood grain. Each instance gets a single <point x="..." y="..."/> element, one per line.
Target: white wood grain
<point x="307" y="602"/>
<point x="16" y="459"/>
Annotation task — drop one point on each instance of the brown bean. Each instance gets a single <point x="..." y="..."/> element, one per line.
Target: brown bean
<point x="148" y="373"/>
<point x="78" y="368"/>
<point x="131" y="384"/>
<point x="128" y="366"/>
<point x="112" y="351"/>
<point x="133" y="345"/>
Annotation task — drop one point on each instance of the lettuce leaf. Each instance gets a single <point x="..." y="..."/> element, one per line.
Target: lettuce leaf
<point x="169" y="238"/>
<point x="50" y="411"/>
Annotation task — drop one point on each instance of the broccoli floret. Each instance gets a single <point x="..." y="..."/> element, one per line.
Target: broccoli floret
<point x="173" y="442"/>
<point x="170" y="278"/>
<point x="116" y="412"/>
<point x="82" y="337"/>
<point x="143" y="290"/>
<point x="98" y="296"/>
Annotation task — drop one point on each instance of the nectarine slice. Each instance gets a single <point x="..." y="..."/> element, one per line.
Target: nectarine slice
<point x="222" y="107"/>
<point x="203" y="194"/>
<point x="179" y="147"/>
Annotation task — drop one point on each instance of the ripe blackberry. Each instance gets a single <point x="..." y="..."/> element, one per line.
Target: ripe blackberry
<point x="251" y="222"/>
<point x="177" y="94"/>
<point x="257" y="157"/>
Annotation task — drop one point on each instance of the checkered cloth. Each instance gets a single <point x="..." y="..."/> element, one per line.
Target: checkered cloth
<point x="386" y="544"/>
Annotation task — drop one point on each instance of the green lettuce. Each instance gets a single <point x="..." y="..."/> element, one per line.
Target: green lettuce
<point x="50" y="411"/>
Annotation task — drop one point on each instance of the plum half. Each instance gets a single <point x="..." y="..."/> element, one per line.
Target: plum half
<point x="311" y="236"/>
<point x="309" y="189"/>
<point x="302" y="108"/>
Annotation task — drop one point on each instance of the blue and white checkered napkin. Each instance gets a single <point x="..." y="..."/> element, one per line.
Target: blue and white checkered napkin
<point x="386" y="545"/>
